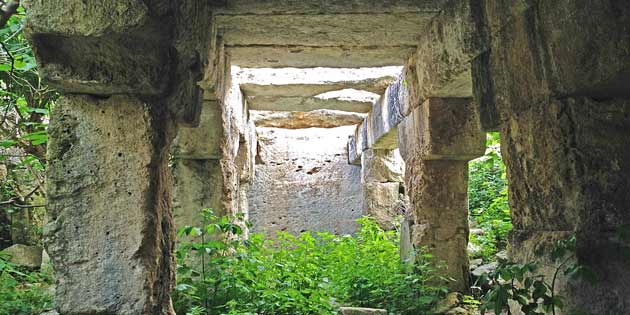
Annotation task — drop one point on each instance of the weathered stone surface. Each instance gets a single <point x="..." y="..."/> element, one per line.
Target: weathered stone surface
<point x="442" y="129"/>
<point x="303" y="182"/>
<point x="386" y="114"/>
<point x="327" y="6"/>
<point x="24" y="255"/>
<point x="110" y="233"/>
<point x="382" y="166"/>
<point x="310" y="57"/>
<point x="438" y="193"/>
<point x="361" y="311"/>
<point x="103" y="48"/>
<point x="382" y="202"/>
<point x="354" y="156"/>
<point x="298" y="120"/>
<point x="197" y="184"/>
<point x="203" y="141"/>
<point x="446" y="47"/>
<point x="311" y="82"/>
<point x="306" y="104"/>
<point x="323" y="30"/>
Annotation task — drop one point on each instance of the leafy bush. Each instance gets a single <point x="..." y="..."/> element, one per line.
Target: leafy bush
<point x="488" y="200"/>
<point x="305" y="274"/>
<point x="23" y="292"/>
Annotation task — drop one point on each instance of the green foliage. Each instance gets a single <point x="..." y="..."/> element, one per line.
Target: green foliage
<point x="533" y="292"/>
<point x="219" y="273"/>
<point x="488" y="200"/>
<point x="23" y="292"/>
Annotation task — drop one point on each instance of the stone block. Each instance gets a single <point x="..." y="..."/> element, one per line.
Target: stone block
<point x="108" y="184"/>
<point x="354" y="155"/>
<point x="361" y="311"/>
<point x="385" y="116"/>
<point x="447" y="129"/>
<point x="205" y="140"/>
<point x="24" y="255"/>
<point x="382" y="166"/>
<point x="445" y="50"/>
<point x="382" y="201"/>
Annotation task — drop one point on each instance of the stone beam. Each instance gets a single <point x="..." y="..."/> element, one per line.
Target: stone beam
<point x="203" y="141"/>
<point x="305" y="104"/>
<point x="311" y="82"/>
<point x="253" y="7"/>
<point x="299" y="56"/>
<point x="322" y="118"/>
<point x="323" y="30"/>
<point x="385" y="116"/>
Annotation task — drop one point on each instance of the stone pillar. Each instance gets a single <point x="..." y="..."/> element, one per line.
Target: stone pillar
<point x="382" y="177"/>
<point x="564" y="123"/>
<point x="436" y="140"/>
<point x="110" y="234"/>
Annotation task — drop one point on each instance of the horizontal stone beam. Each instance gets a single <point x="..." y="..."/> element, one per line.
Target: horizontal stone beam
<point x="322" y="118"/>
<point x="322" y="30"/>
<point x="311" y="82"/>
<point x="281" y="56"/>
<point x="386" y="114"/>
<point x="328" y="6"/>
<point x="305" y="104"/>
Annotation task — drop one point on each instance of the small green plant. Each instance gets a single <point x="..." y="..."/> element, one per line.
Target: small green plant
<point x="23" y="292"/>
<point x="533" y="292"/>
<point x="488" y="201"/>
<point x="219" y="273"/>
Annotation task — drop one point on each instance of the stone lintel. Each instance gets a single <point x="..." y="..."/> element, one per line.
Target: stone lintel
<point x="305" y="104"/>
<point x="442" y="129"/>
<point x="322" y="118"/>
<point x="281" y="56"/>
<point x="354" y="156"/>
<point x="311" y="82"/>
<point x="385" y="116"/>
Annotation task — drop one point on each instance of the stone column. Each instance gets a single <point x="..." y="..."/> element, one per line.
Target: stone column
<point x="564" y="123"/>
<point x="110" y="234"/>
<point x="382" y="177"/>
<point x="436" y="140"/>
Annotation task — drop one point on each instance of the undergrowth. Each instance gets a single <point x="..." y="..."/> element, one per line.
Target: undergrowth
<point x="218" y="273"/>
<point x="23" y="292"/>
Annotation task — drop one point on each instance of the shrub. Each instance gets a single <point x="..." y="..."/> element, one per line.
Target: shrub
<point x="304" y="274"/>
<point x="488" y="200"/>
<point x="23" y="292"/>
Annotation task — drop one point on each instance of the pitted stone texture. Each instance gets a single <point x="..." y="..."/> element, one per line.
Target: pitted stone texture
<point x="205" y="140"/>
<point x="300" y="120"/>
<point x="446" y="129"/>
<point x="110" y="233"/>
<point x="311" y="82"/>
<point x="445" y="50"/>
<point x="304" y="182"/>
<point x="383" y="203"/>
<point x="382" y="166"/>
<point x="198" y="184"/>
<point x="438" y="194"/>
<point x="325" y="7"/>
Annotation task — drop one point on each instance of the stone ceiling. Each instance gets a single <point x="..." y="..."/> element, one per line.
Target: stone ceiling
<point x="325" y="33"/>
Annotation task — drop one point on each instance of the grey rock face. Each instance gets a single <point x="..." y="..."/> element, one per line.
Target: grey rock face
<point x="303" y="182"/>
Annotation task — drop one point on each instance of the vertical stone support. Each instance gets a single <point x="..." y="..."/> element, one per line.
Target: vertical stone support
<point x="564" y="123"/>
<point x="110" y="234"/>
<point x="382" y="177"/>
<point x="436" y="140"/>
